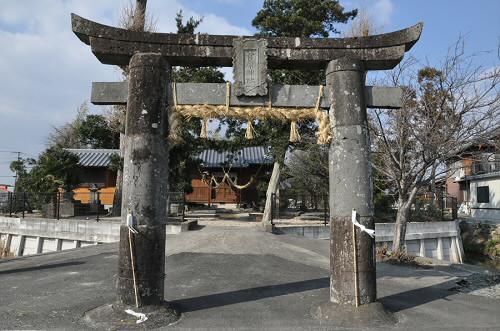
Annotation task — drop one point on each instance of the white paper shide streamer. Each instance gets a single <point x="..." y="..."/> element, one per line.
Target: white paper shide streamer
<point x="363" y="228"/>
<point x="142" y="317"/>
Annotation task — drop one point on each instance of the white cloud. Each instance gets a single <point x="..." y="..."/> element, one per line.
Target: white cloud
<point x="382" y="11"/>
<point x="46" y="71"/>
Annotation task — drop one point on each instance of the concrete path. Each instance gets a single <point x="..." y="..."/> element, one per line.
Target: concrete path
<point x="232" y="278"/>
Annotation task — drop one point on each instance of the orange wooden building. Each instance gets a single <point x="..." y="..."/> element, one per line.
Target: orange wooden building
<point x="244" y="167"/>
<point x="224" y="174"/>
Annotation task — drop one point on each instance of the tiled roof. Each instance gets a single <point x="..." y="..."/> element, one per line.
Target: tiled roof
<point x="483" y="176"/>
<point x="239" y="159"/>
<point x="94" y="157"/>
<point x="209" y="158"/>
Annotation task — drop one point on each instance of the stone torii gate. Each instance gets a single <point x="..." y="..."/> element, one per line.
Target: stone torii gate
<point x="149" y="97"/>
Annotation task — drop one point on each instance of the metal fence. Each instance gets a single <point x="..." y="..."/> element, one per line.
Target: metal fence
<point x="309" y="206"/>
<point x="75" y="204"/>
<point x="56" y="204"/>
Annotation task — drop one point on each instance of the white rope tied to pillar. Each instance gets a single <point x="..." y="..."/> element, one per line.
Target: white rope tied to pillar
<point x="363" y="228"/>
<point x="130" y="225"/>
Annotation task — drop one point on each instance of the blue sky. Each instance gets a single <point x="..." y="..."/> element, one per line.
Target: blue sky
<point x="46" y="71"/>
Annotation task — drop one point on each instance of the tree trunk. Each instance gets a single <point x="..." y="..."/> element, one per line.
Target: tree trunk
<point x="271" y="188"/>
<point x="139" y="22"/>
<point x="402" y="218"/>
<point x="400" y="227"/>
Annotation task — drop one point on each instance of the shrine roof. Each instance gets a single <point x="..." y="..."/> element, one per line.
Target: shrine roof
<point x="242" y="158"/>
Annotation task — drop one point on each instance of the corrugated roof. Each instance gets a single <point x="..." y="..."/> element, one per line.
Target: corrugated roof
<point x="94" y="157"/>
<point x="209" y="158"/>
<point x="239" y="159"/>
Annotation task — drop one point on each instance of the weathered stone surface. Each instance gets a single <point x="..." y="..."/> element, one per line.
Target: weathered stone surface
<point x="104" y="93"/>
<point x="84" y="29"/>
<point x="116" y="46"/>
<point x="119" y="52"/>
<point x="215" y="94"/>
<point x="149" y="257"/>
<point x="350" y="184"/>
<point x="250" y="66"/>
<point x="145" y="176"/>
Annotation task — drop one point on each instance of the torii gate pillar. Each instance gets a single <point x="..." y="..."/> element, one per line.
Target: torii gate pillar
<point x="145" y="178"/>
<point x="350" y="184"/>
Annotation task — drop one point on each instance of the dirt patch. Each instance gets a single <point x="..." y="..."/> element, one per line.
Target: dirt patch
<point x="4" y="251"/>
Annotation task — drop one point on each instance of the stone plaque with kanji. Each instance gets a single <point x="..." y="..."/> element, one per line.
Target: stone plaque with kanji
<point x="250" y="66"/>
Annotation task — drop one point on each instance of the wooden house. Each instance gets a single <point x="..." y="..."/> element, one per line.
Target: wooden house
<point x="225" y="178"/>
<point x="230" y="177"/>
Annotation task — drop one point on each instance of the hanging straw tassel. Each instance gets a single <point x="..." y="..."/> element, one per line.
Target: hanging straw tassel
<point x="174" y="123"/>
<point x="250" y="130"/>
<point x="324" y="132"/>
<point x="174" y="119"/>
<point x="294" y="132"/>
<point x="204" y="128"/>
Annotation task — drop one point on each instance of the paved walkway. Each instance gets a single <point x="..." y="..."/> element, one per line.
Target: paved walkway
<point x="233" y="278"/>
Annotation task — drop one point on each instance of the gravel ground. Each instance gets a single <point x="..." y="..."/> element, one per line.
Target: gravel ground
<point x="481" y="284"/>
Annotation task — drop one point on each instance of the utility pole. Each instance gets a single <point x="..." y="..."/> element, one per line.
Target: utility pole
<point x="18" y="159"/>
<point x="17" y="175"/>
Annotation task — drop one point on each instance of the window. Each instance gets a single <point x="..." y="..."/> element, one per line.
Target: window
<point x="483" y="194"/>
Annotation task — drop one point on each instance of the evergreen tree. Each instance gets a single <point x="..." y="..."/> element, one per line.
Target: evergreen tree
<point x="183" y="162"/>
<point x="293" y="18"/>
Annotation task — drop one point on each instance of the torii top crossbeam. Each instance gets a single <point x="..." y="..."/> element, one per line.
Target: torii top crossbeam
<point x="116" y="46"/>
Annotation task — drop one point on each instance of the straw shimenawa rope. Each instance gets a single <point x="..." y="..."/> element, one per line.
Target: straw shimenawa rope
<point x="228" y="180"/>
<point x="248" y="114"/>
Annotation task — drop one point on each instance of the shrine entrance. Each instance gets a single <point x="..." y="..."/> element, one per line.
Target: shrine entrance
<point x="339" y="108"/>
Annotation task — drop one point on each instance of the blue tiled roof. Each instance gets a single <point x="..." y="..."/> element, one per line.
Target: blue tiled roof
<point x="209" y="158"/>
<point x="94" y="157"/>
<point x="239" y="159"/>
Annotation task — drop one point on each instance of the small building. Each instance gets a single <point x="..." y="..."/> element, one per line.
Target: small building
<point x="95" y="176"/>
<point x="230" y="178"/>
<point x="227" y="178"/>
<point x="474" y="179"/>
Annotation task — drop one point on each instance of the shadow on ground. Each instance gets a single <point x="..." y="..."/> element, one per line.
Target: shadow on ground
<point x="250" y="294"/>
<point x="41" y="267"/>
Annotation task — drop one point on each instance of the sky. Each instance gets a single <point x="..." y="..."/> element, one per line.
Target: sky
<point x="46" y="72"/>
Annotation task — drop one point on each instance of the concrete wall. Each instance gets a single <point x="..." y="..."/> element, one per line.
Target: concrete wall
<point x="486" y="211"/>
<point x="28" y="236"/>
<point x="440" y="240"/>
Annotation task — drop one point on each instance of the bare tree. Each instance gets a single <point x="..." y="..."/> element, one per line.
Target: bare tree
<point x="444" y="109"/>
<point x="66" y="135"/>
<point x="308" y="167"/>
<point x="133" y="17"/>
<point x="363" y="25"/>
<point x="307" y="171"/>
